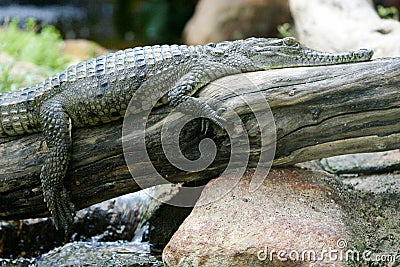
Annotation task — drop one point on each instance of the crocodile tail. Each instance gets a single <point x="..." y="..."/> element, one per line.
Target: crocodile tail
<point x="2" y="131"/>
<point x="16" y="116"/>
<point x="6" y="103"/>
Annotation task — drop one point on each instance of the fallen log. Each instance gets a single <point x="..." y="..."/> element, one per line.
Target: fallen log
<point x="318" y="112"/>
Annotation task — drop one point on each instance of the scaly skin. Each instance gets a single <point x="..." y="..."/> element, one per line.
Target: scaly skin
<point x="99" y="90"/>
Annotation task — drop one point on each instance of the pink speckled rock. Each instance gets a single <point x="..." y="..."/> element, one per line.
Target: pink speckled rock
<point x="294" y="214"/>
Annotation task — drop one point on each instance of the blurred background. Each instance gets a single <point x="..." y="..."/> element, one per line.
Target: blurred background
<point x="112" y="23"/>
<point x="117" y="24"/>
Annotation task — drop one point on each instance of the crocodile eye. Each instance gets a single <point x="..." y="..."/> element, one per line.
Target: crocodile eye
<point x="211" y="45"/>
<point x="290" y="41"/>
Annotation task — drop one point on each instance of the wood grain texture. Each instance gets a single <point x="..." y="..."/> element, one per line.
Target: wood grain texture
<point x="318" y="111"/>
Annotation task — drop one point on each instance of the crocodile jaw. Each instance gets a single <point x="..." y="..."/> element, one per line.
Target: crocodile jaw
<point x="309" y="57"/>
<point x="287" y="52"/>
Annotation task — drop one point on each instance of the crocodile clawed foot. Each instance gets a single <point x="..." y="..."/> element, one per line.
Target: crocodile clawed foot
<point x="216" y="119"/>
<point x="62" y="210"/>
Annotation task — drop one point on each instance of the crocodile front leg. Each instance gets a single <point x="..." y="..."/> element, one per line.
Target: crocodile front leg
<point x="200" y="75"/>
<point x="57" y="132"/>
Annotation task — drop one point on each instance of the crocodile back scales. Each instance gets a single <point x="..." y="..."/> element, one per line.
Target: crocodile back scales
<point x="19" y="110"/>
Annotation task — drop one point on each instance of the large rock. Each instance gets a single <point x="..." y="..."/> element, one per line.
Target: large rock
<point x="337" y="25"/>
<point x="295" y="218"/>
<point x="220" y="20"/>
<point x="363" y="163"/>
<point x="293" y="212"/>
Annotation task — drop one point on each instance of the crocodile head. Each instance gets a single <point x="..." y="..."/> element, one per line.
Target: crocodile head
<point x="287" y="52"/>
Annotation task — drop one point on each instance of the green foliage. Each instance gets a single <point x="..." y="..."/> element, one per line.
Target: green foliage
<point x="388" y="12"/>
<point x="41" y="48"/>
<point x="30" y="45"/>
<point x="387" y="226"/>
<point x="150" y="21"/>
<point x="5" y="81"/>
<point x="285" y="30"/>
<point x="153" y="14"/>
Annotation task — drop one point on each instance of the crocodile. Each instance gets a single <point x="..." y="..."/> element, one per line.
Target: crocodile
<point x="99" y="90"/>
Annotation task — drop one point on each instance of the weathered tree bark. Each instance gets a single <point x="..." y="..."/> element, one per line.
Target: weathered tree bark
<point x="318" y="112"/>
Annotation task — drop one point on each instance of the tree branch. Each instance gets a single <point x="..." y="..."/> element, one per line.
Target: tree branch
<point x="318" y="111"/>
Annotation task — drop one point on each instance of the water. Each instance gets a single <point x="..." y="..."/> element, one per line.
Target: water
<point x="115" y="24"/>
<point x="101" y="254"/>
<point x="97" y="241"/>
<point x="119" y="253"/>
<point x="63" y="16"/>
